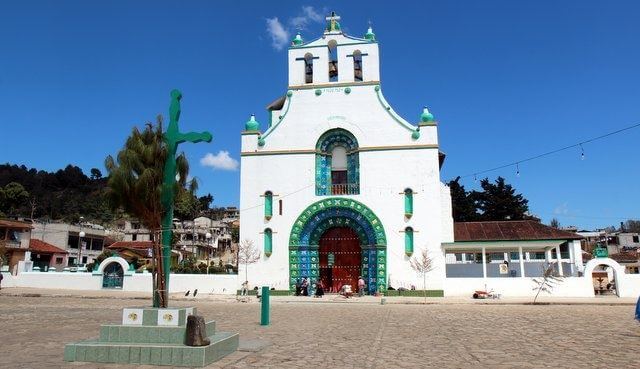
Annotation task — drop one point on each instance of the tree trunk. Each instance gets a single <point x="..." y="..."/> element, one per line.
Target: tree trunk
<point x="424" y="286"/>
<point x="159" y="293"/>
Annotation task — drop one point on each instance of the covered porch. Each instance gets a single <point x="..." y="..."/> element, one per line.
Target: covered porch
<point x="511" y="249"/>
<point x="511" y="259"/>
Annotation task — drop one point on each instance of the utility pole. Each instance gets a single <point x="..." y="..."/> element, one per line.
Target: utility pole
<point x="80" y="236"/>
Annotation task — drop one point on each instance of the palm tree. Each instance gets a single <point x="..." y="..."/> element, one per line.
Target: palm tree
<point x="135" y="186"/>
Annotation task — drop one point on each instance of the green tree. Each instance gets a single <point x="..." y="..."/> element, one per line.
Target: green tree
<point x="632" y="225"/>
<point x="135" y="185"/>
<point x="499" y="201"/>
<point x="205" y="202"/>
<point x="187" y="205"/>
<point x="463" y="206"/>
<point x="96" y="173"/>
<point x="12" y="196"/>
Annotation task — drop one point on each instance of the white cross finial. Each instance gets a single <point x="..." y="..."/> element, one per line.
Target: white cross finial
<point x="333" y="16"/>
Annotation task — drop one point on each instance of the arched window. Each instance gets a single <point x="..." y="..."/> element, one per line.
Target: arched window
<point x="408" y="241"/>
<point x="268" y="205"/>
<point x="337" y="164"/>
<point x="268" y="241"/>
<point x="357" y="66"/>
<point x="308" y="68"/>
<point x="408" y="202"/>
<point x="333" y="61"/>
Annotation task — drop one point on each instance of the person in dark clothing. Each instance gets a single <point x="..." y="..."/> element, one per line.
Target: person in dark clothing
<point x="298" y="287"/>
<point x="305" y="287"/>
<point x="319" y="288"/>
<point x="1" y="276"/>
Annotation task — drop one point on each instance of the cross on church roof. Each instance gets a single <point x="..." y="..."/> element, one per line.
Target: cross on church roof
<point x="332" y="22"/>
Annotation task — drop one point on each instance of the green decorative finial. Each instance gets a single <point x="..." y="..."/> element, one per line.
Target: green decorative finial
<point x="415" y="134"/>
<point x="426" y="117"/>
<point x="252" y="124"/>
<point x="297" y="41"/>
<point x="370" y="35"/>
<point x="173" y="137"/>
<point x="332" y="22"/>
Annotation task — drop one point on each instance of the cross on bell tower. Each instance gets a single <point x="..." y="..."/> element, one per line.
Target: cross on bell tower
<point x="332" y="22"/>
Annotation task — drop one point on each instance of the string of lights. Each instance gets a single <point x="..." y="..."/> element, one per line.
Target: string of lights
<point x="579" y="145"/>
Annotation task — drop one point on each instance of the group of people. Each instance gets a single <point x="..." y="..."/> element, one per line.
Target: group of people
<point x="302" y="287"/>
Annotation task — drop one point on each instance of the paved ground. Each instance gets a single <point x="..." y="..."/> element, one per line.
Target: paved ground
<point x="33" y="331"/>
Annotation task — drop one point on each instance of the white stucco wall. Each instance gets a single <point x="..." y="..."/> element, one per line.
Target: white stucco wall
<point x="137" y="282"/>
<point x="390" y="161"/>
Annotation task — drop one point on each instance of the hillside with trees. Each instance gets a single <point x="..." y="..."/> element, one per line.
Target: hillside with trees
<point x="69" y="193"/>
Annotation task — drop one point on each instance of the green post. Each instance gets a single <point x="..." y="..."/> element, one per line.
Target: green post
<point x="173" y="137"/>
<point x="264" y="312"/>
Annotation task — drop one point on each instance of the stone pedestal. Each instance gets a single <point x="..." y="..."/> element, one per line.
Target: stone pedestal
<point x="152" y="336"/>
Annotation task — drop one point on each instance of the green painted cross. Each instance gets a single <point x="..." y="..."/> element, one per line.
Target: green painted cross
<point x="173" y="137"/>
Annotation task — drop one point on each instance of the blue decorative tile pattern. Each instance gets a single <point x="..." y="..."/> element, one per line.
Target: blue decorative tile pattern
<point x="327" y="142"/>
<point x="337" y="212"/>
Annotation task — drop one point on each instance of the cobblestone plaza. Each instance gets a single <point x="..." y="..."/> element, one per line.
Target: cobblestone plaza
<point x="348" y="335"/>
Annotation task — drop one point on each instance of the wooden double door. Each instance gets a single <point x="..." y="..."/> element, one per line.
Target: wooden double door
<point x="340" y="258"/>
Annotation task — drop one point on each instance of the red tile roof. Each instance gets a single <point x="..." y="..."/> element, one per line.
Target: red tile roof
<point x="131" y="245"/>
<point x="629" y="257"/>
<point x="42" y="247"/>
<point x="509" y="230"/>
<point x="6" y="223"/>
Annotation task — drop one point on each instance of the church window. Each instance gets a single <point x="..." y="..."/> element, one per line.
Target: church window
<point x="333" y="61"/>
<point x="337" y="164"/>
<point x="357" y="66"/>
<point x="280" y="207"/>
<point x="268" y="241"/>
<point x="268" y="205"/>
<point x="308" y="68"/>
<point x="408" y="202"/>
<point x="408" y="241"/>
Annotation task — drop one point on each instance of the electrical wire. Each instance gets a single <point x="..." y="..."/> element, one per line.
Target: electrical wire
<point x="576" y="145"/>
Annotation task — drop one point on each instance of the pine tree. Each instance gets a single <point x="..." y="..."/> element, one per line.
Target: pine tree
<point x="463" y="206"/>
<point x="499" y="201"/>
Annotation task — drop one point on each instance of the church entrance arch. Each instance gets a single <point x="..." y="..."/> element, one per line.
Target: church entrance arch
<point x="312" y="233"/>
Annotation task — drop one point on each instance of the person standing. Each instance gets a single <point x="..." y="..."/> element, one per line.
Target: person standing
<point x="638" y="309"/>
<point x="245" y="288"/>
<point x="305" y="286"/>
<point x="319" y="288"/>
<point x="1" y="276"/>
<point x="360" y="286"/>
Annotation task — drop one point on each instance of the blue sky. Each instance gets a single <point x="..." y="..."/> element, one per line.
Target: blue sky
<point x="506" y="80"/>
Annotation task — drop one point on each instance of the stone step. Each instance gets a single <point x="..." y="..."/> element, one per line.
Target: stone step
<point x="148" y="334"/>
<point x="222" y="344"/>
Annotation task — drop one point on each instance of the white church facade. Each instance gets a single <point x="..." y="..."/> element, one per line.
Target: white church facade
<point x="348" y="186"/>
<point x="337" y="185"/>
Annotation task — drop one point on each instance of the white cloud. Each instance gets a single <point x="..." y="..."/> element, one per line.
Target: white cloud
<point x="562" y="209"/>
<point x="309" y="14"/>
<point x="279" y="35"/>
<point x="222" y="160"/>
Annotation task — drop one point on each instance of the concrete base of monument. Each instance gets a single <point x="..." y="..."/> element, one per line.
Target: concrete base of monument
<point x="152" y="336"/>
